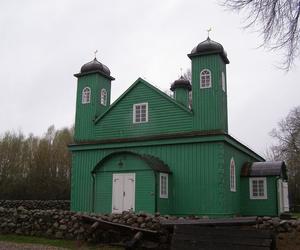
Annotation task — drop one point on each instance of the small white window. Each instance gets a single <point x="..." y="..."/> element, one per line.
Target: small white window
<point x="232" y="176"/>
<point x="103" y="97"/>
<point x="86" y="95"/>
<point x="223" y="82"/>
<point x="258" y="188"/>
<point x="140" y="112"/>
<point x="205" y="79"/>
<point x="163" y="185"/>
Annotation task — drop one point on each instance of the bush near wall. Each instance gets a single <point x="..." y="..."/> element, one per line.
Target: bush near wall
<point x="36" y="204"/>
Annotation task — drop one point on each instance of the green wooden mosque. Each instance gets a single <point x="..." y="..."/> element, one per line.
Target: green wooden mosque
<point x="153" y="153"/>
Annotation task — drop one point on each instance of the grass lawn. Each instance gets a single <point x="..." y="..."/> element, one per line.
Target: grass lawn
<point x="69" y="244"/>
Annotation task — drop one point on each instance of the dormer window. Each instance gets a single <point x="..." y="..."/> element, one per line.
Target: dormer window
<point x="140" y="112"/>
<point x="86" y="95"/>
<point x="103" y="97"/>
<point x="205" y="79"/>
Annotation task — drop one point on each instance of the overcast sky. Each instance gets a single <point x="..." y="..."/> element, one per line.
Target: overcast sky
<point x="43" y="43"/>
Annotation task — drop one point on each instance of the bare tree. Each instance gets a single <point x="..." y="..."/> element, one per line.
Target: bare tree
<point x="278" y="22"/>
<point x="288" y="149"/>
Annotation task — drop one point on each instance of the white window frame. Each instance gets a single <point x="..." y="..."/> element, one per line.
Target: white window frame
<point x="103" y="97"/>
<point x="86" y="95"/>
<point x="204" y="84"/>
<point x="265" y="189"/>
<point x="134" y="112"/>
<point x="223" y="82"/>
<point x="232" y="175"/>
<point x="163" y="182"/>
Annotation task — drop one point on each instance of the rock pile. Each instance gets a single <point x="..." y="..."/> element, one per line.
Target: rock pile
<point x="62" y="224"/>
<point x="278" y="225"/>
<point x="36" y="204"/>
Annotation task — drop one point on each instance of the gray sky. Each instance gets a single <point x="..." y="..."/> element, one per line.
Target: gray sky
<point x="43" y="43"/>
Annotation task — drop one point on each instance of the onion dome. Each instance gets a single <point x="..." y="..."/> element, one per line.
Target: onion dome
<point x="95" y="66"/>
<point x="181" y="83"/>
<point x="209" y="47"/>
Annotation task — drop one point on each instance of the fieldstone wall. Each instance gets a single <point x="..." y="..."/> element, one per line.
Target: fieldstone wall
<point x="36" y="204"/>
<point x="62" y="224"/>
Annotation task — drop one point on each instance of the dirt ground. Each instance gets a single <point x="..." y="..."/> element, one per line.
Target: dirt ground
<point x="20" y="246"/>
<point x="288" y="241"/>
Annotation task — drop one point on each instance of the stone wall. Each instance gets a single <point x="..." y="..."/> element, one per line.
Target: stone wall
<point x="62" y="224"/>
<point x="36" y="204"/>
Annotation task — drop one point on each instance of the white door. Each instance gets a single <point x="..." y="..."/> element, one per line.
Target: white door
<point x="285" y="192"/>
<point x="123" y="193"/>
<point x="283" y="195"/>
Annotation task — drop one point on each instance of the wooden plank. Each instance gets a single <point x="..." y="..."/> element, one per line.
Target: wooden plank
<point x="112" y="224"/>
<point x="195" y="236"/>
<point x="201" y="230"/>
<point x="214" y="222"/>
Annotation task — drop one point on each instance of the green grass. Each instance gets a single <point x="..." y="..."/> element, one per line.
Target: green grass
<point x="69" y="244"/>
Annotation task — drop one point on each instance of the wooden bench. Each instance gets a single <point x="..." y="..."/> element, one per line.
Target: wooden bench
<point x="195" y="236"/>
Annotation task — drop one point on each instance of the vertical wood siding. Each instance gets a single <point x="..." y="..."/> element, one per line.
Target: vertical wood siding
<point x="164" y="116"/>
<point x="195" y="178"/>
<point x="209" y="104"/>
<point x="266" y="207"/>
<point x="86" y="113"/>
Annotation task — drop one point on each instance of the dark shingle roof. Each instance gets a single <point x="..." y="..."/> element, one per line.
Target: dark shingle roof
<point x="267" y="168"/>
<point x="209" y="47"/>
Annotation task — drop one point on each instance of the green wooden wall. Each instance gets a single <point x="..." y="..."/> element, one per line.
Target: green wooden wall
<point x="194" y="188"/>
<point x="209" y="104"/>
<point x="232" y="199"/>
<point x="267" y="207"/>
<point x="165" y="115"/>
<point x="86" y="113"/>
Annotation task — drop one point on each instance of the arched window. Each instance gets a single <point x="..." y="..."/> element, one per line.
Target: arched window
<point x="205" y="79"/>
<point x="103" y="97"/>
<point x="232" y="176"/>
<point x="223" y="82"/>
<point x="86" y="95"/>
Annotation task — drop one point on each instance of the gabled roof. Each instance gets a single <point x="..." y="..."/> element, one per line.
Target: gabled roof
<point x="141" y="81"/>
<point x="267" y="168"/>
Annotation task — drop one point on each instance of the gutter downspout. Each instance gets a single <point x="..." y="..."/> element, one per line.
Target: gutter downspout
<point x="277" y="194"/>
<point x="93" y="192"/>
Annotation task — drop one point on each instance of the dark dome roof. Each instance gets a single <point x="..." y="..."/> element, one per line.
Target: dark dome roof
<point x="94" y="66"/>
<point x="209" y="47"/>
<point x="181" y="83"/>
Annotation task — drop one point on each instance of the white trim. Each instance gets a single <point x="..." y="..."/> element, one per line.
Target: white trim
<point x="232" y="175"/>
<point x="163" y="185"/>
<point x="205" y="85"/>
<point x="86" y="95"/>
<point x="258" y="196"/>
<point x="103" y="97"/>
<point x="134" y="118"/>
<point x="223" y="82"/>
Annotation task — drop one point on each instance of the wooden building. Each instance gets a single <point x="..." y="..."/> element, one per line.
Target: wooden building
<point x="150" y="152"/>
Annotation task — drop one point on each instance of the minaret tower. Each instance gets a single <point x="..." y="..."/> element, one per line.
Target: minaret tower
<point x="209" y="95"/>
<point x="93" y="97"/>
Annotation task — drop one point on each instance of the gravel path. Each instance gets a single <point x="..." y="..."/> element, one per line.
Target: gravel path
<point x="20" y="246"/>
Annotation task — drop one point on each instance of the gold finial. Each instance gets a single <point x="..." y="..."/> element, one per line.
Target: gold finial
<point x="208" y="30"/>
<point x="95" y="52"/>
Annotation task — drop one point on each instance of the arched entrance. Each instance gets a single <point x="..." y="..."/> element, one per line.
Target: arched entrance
<point x="126" y="181"/>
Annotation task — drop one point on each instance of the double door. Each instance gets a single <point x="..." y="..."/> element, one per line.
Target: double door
<point x="123" y="192"/>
